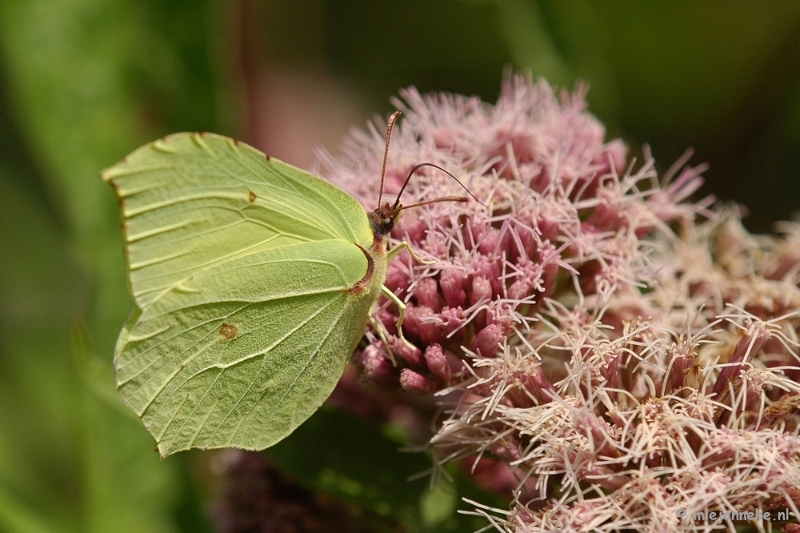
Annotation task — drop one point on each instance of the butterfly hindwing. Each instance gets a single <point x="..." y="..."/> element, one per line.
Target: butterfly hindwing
<point x="219" y="367"/>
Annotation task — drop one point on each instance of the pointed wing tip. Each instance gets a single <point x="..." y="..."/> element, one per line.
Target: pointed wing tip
<point x="164" y="144"/>
<point x="110" y="173"/>
<point x="174" y="143"/>
<point x="165" y="449"/>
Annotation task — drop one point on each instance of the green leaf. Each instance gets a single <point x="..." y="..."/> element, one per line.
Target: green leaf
<point x="438" y="503"/>
<point x="337" y="453"/>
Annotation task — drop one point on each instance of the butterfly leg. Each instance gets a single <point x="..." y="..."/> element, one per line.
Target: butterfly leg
<point x="383" y="335"/>
<point x="401" y="307"/>
<point x="401" y="315"/>
<point x="397" y="249"/>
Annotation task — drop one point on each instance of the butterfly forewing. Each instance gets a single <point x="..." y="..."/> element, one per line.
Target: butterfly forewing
<point x="191" y="202"/>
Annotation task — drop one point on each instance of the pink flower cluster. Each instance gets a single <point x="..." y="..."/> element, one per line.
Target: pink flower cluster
<point x="607" y="351"/>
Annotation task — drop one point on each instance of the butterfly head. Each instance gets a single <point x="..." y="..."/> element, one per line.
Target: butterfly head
<point x="383" y="219"/>
<point x="385" y="216"/>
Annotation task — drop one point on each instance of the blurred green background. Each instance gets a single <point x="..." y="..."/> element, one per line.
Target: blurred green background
<point x="84" y="82"/>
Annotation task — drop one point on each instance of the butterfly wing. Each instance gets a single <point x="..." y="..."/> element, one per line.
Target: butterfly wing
<point x="252" y="286"/>
<point x="242" y="354"/>
<point x="193" y="201"/>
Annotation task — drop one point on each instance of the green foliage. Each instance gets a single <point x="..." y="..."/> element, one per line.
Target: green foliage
<point x="359" y="464"/>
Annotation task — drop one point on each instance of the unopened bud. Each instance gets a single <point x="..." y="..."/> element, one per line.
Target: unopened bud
<point x="415" y="382"/>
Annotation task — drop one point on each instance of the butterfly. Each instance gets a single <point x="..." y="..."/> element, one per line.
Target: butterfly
<point x="253" y="282"/>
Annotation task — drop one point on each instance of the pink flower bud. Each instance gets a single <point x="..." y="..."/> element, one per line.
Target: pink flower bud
<point x="786" y="265"/>
<point x="599" y="431"/>
<point x="452" y="321"/>
<point x="437" y="363"/>
<point x="481" y="290"/>
<point x="549" y="229"/>
<point x="396" y="278"/>
<point x="528" y="280"/>
<point x="519" y="290"/>
<point x="549" y="275"/>
<point x="376" y="365"/>
<point x="539" y="386"/>
<point x="530" y="387"/>
<point x="415" y="382"/>
<point x="411" y="322"/>
<point x="427" y="294"/>
<point x="410" y="354"/>
<point x="613" y="370"/>
<point x="487" y="342"/>
<point x="436" y="245"/>
<point x="492" y="475"/>
<point x="539" y="179"/>
<point x="588" y="274"/>
<point x="747" y="347"/>
<point x="452" y="283"/>
<point x="606" y="217"/>
<point x="527" y="239"/>
<point x="490" y="243"/>
<point x="508" y="449"/>
<point x="679" y="369"/>
<point x="502" y="314"/>
<point x="518" y="394"/>
<point x="508" y="247"/>
<point x="473" y="232"/>
<point x="421" y="322"/>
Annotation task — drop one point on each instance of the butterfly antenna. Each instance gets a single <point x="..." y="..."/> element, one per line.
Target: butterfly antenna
<point x="436" y="201"/>
<point x="389" y="127"/>
<point x="445" y="199"/>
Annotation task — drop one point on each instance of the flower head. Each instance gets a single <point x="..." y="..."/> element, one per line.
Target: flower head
<point x="620" y="351"/>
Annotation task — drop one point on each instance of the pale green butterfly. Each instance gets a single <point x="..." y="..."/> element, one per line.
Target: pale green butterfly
<point x="253" y="282"/>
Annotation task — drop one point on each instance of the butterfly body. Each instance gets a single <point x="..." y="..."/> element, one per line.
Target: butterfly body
<point x="252" y="281"/>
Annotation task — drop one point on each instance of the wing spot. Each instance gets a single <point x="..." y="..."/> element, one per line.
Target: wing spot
<point x="252" y="197"/>
<point x="229" y="331"/>
<point x="267" y="156"/>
